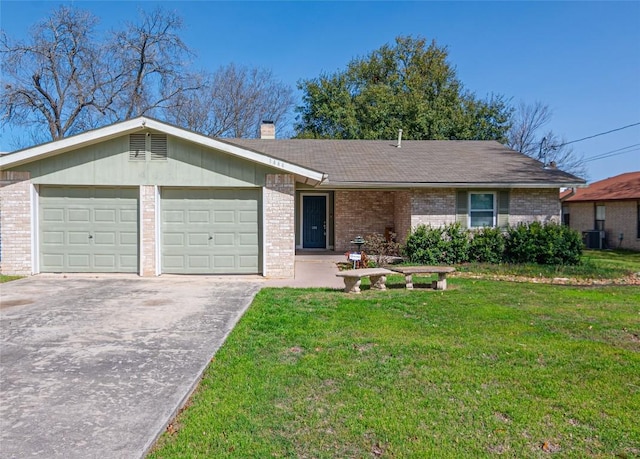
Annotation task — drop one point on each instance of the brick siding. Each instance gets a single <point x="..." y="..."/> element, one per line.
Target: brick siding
<point x="527" y="205"/>
<point x="402" y="215"/>
<point x="620" y="217"/>
<point x="434" y="207"/>
<point x="15" y="223"/>
<point x="279" y="208"/>
<point x="148" y="229"/>
<point x="359" y="213"/>
<point x="581" y="215"/>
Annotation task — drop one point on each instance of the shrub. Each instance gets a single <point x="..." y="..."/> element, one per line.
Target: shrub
<point x="380" y="249"/>
<point x="487" y="246"/>
<point x="455" y="248"/>
<point x="432" y="246"/>
<point x="424" y="245"/>
<point x="549" y="244"/>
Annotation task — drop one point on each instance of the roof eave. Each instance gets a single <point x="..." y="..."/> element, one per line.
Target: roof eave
<point x="126" y="127"/>
<point x="469" y="185"/>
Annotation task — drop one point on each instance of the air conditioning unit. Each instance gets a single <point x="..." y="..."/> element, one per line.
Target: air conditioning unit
<point x="593" y="239"/>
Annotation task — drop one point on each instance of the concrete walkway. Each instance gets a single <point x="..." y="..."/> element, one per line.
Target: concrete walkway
<point x="313" y="269"/>
<point x="95" y="366"/>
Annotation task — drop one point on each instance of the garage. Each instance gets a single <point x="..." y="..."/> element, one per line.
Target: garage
<point x="210" y="231"/>
<point x="88" y="229"/>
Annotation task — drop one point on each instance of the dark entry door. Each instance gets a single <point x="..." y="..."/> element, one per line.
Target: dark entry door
<point x="314" y="222"/>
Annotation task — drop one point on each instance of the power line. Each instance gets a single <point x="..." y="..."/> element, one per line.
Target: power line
<point x="597" y="135"/>
<point x="614" y="151"/>
<point x="609" y="155"/>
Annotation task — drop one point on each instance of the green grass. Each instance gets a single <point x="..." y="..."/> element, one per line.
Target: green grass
<point x="594" y="264"/>
<point x="482" y="369"/>
<point x="5" y="278"/>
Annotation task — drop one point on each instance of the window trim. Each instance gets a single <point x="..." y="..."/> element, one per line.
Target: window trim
<point x="470" y="210"/>
<point x="599" y="223"/>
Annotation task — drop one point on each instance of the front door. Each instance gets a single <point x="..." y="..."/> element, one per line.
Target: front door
<point x="314" y="222"/>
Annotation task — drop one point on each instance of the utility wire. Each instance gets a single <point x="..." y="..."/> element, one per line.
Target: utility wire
<point x="597" y="135"/>
<point x="604" y="155"/>
<point x="613" y="151"/>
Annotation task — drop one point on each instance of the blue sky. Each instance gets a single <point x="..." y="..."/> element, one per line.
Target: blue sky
<point x="580" y="58"/>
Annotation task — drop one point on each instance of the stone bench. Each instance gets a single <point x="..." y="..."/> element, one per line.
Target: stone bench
<point x="353" y="277"/>
<point x="441" y="271"/>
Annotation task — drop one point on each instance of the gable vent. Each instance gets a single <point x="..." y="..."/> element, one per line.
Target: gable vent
<point x="137" y="147"/>
<point x="158" y="147"/>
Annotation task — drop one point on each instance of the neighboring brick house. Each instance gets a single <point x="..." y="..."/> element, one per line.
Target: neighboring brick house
<point x="610" y="206"/>
<point x="147" y="197"/>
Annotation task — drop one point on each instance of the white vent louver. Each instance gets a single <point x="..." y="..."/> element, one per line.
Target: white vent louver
<point x="137" y="147"/>
<point x="158" y="147"/>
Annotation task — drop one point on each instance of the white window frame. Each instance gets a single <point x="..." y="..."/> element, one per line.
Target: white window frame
<point x="495" y="209"/>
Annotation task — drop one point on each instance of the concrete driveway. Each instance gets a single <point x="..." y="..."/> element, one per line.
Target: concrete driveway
<point x="96" y="366"/>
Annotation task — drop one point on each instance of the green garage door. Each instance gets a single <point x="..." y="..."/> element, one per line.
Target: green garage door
<point x="210" y="231"/>
<point x="85" y="229"/>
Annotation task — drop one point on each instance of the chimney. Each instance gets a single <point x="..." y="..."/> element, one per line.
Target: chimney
<point x="267" y="130"/>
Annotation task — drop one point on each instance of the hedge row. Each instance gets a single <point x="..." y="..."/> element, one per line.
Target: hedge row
<point x="547" y="244"/>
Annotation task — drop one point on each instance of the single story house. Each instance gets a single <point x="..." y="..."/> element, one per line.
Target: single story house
<point x="146" y="197"/>
<point x="607" y="212"/>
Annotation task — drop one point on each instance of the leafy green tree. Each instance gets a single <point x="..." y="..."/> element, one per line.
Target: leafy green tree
<point x="409" y="86"/>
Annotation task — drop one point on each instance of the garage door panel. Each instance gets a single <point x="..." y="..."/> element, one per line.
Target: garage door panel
<point x="129" y="216"/>
<point x="216" y="228"/>
<point x="105" y="261"/>
<point x="248" y="260"/>
<point x="173" y="216"/>
<point x="221" y="239"/>
<point x="78" y="261"/>
<point x="53" y="215"/>
<point x="224" y="216"/>
<point x="198" y="239"/>
<point x="105" y="216"/>
<point x="198" y="216"/>
<point x="78" y="215"/>
<point x="130" y="239"/>
<point x="86" y="229"/>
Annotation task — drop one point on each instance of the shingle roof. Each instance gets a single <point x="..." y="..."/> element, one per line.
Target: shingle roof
<point x="623" y="186"/>
<point x="417" y="162"/>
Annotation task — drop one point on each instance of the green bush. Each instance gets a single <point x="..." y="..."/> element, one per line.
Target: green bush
<point x="487" y="246"/>
<point x="545" y="244"/>
<point x="432" y="246"/>
<point x="424" y="245"/>
<point x="455" y="247"/>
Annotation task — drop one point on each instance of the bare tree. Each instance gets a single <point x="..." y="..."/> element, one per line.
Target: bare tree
<point x="151" y="63"/>
<point x="526" y="135"/>
<point x="55" y="78"/>
<point x="233" y="101"/>
<point x="66" y="79"/>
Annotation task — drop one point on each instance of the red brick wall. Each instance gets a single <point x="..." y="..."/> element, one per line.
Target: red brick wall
<point x="359" y="213"/>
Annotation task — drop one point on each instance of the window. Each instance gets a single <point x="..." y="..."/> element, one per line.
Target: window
<point x="566" y="216"/>
<point x="638" y="221"/>
<point x="482" y="210"/>
<point x="600" y="217"/>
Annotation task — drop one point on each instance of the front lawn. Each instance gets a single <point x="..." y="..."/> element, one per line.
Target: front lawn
<point x="482" y="369"/>
<point x="601" y="265"/>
